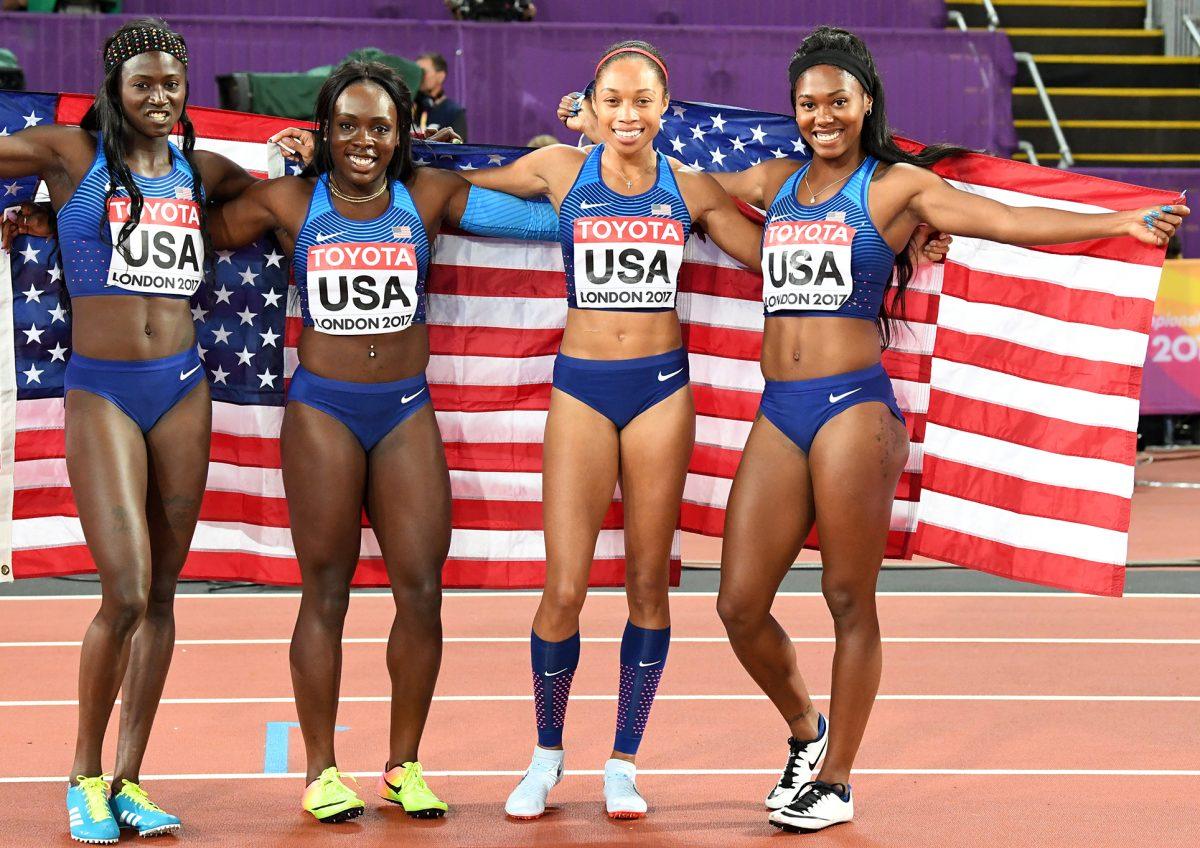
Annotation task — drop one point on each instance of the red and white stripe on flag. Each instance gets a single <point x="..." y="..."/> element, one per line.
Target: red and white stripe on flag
<point x="1033" y="389"/>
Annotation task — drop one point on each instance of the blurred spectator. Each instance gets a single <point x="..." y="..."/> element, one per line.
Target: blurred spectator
<point x="543" y="140"/>
<point x="492" y="10"/>
<point x="434" y="109"/>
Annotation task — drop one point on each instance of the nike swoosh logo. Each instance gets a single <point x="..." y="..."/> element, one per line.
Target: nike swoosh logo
<point x="586" y="205"/>
<point x="407" y="398"/>
<point x="183" y="375"/>
<point x="662" y="378"/>
<point x="395" y="789"/>
<point x="555" y="673"/>
<point x="321" y="237"/>
<point x="835" y="398"/>
<point x="323" y="806"/>
<point x="646" y="664"/>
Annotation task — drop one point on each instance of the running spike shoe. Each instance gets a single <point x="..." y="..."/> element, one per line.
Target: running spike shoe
<point x="132" y="808"/>
<point x="818" y="806"/>
<point x="330" y="800"/>
<point x="528" y="800"/>
<point x="88" y="811"/>
<point x="801" y="765"/>
<point x="405" y="785"/>
<point x="621" y="797"/>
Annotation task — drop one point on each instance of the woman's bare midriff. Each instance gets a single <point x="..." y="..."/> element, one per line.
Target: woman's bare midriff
<point x="600" y="334"/>
<point x="808" y="348"/>
<point x="131" y="327"/>
<point x="348" y="358"/>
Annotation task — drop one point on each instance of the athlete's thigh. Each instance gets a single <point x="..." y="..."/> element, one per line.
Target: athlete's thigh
<point x="324" y="475"/>
<point x="408" y="498"/>
<point x="107" y="466"/>
<point x="178" y="447"/>
<point x="579" y="477"/>
<point x="656" y="448"/>
<point x="856" y="461"/>
<point x="767" y="518"/>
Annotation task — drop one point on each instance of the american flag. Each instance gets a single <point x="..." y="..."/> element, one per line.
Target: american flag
<point x="1019" y="371"/>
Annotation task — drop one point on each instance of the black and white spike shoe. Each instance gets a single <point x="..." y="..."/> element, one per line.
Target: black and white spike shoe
<point x="801" y="764"/>
<point x="817" y="806"/>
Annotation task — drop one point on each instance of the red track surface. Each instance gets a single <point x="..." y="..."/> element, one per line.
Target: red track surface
<point x="948" y="704"/>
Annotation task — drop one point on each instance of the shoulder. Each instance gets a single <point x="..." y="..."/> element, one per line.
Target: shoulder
<point x="558" y="155"/>
<point x="65" y="142"/>
<point x="902" y="173"/>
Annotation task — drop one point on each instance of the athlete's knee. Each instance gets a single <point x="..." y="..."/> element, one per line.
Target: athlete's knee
<point x="124" y="606"/>
<point x="419" y="598"/>
<point x="646" y="591"/>
<point x="328" y="602"/>
<point x="738" y="613"/>
<point x="562" y="600"/>
<point x="849" y="603"/>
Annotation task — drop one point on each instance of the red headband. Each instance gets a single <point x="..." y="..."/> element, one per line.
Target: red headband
<point x="646" y="53"/>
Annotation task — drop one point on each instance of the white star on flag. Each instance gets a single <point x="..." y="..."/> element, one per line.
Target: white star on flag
<point x="222" y="335"/>
<point x="219" y="375"/>
<point x="495" y="159"/>
<point x="718" y="157"/>
<point x="248" y="277"/>
<point x="225" y="256"/>
<point x="198" y="314"/>
<point x="697" y="133"/>
<point x="202" y="351"/>
<point x="273" y="259"/>
<point x="244" y="356"/>
<point x="58" y="314"/>
<point x="11" y="188"/>
<point x="679" y="111"/>
<point x="798" y="145"/>
<point x="29" y="254"/>
<point x="269" y="337"/>
<point x="33" y="334"/>
<point x="271" y="298"/>
<point x="719" y="123"/>
<point x="738" y="144"/>
<point x="758" y="136"/>
<point x="32" y="119"/>
<point x="58" y="353"/>
<point x="55" y="273"/>
<point x="33" y="375"/>
<point x="677" y="144"/>
<point x="779" y="154"/>
<point x="247" y="316"/>
<point x="466" y="166"/>
<point x="32" y="294"/>
<point x="267" y="380"/>
<point x="223" y="295"/>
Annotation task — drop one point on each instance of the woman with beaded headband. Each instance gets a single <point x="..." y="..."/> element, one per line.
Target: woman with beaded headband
<point x="829" y="443"/>
<point x="359" y="430"/>
<point x="621" y="407"/>
<point x="131" y="225"/>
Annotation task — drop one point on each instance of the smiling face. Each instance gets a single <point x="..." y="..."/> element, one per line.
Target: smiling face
<point x="362" y="135"/>
<point x="830" y="109"/>
<point x="629" y="103"/>
<point x="153" y="91"/>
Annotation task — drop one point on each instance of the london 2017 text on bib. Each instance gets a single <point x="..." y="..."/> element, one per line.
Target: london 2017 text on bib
<point x="806" y="265"/>
<point x="627" y="263"/>
<point x="356" y="288"/>
<point x="165" y="252"/>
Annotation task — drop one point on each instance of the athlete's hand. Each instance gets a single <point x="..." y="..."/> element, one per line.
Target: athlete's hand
<point x="26" y="219"/>
<point x="575" y="112"/>
<point x="1157" y="224"/>
<point x="446" y="135"/>
<point x="295" y="142"/>
<point x="928" y="245"/>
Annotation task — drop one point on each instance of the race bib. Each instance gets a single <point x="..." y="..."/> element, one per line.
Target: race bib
<point x="627" y="263"/>
<point x="806" y="265"/>
<point x="356" y="288"/>
<point x="165" y="252"/>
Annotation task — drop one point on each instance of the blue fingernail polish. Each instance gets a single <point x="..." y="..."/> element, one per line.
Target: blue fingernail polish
<point x="1166" y="209"/>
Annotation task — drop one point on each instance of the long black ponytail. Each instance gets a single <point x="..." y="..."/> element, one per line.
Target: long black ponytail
<point x="877" y="140"/>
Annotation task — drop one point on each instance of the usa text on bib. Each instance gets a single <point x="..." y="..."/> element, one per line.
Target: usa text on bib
<point x="164" y="253"/>
<point x="806" y="265"/>
<point x="356" y="288"/>
<point x="627" y="263"/>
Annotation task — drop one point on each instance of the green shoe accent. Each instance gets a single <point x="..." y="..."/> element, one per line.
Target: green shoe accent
<point x="330" y="800"/>
<point x="405" y="785"/>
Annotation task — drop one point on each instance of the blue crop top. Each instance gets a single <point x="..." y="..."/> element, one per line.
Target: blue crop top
<point x="826" y="259"/>
<point x="164" y="255"/>
<point x="361" y="277"/>
<point x="622" y="253"/>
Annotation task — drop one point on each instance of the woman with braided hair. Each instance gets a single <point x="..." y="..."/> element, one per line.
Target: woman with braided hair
<point x="131" y="225"/>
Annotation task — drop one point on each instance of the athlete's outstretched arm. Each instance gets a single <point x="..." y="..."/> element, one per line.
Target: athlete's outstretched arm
<point x="532" y="174"/>
<point x="224" y="179"/>
<point x="32" y="152"/>
<point x="720" y="217"/>
<point x="931" y="199"/>
<point x="259" y="209"/>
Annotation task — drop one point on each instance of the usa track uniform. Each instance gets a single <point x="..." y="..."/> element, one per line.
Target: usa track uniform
<point x="826" y="260"/>
<point x="358" y="278"/>
<point x="163" y="257"/>
<point x="622" y="254"/>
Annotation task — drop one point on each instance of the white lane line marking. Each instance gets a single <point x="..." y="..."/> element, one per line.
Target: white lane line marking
<point x="383" y="699"/>
<point x="699" y="640"/>
<point x="678" y="773"/>
<point x="602" y="593"/>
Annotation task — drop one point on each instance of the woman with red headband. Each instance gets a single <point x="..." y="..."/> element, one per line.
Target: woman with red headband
<point x="132" y="229"/>
<point x="621" y="409"/>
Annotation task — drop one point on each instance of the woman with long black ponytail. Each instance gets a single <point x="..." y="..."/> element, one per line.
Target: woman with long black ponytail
<point x="829" y="443"/>
<point x="131" y="226"/>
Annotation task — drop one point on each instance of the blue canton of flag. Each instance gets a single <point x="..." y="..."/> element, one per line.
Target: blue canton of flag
<point x="19" y="111"/>
<point x="725" y="138"/>
<point x="41" y="317"/>
<point x="240" y="324"/>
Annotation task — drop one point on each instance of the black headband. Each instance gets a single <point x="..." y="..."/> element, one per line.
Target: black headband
<point x="838" y="58"/>
<point x="133" y="42"/>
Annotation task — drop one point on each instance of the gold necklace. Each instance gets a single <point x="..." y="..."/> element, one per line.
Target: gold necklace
<point x="812" y="195"/>
<point x="628" y="182"/>
<point x="340" y="194"/>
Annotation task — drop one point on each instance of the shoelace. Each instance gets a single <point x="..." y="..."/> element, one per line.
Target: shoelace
<point x="789" y="771"/>
<point x="95" y="796"/>
<point x="332" y="775"/>
<point x="414" y="775"/>
<point x="810" y="795"/>
<point x="138" y="794"/>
